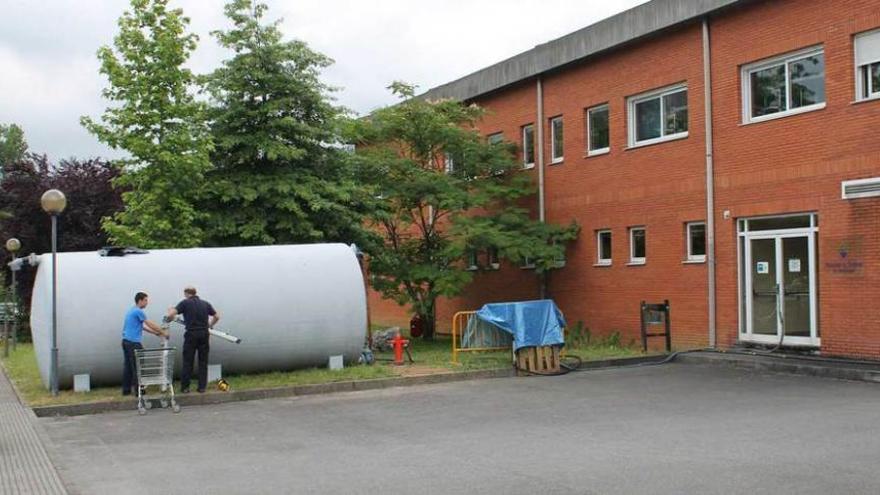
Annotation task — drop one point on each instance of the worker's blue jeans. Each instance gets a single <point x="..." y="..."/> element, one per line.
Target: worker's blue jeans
<point x="129" y="372"/>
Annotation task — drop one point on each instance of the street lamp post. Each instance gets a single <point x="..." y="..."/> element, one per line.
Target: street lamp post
<point x="12" y="245"/>
<point x="53" y="203"/>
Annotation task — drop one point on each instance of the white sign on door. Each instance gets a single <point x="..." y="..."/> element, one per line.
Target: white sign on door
<point x="763" y="267"/>
<point x="794" y="265"/>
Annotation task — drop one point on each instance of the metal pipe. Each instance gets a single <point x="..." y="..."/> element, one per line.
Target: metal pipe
<point x="53" y="378"/>
<point x="710" y="183"/>
<point x="6" y="329"/>
<point x="16" y="312"/>
<point x="540" y="138"/>
<point x="540" y="142"/>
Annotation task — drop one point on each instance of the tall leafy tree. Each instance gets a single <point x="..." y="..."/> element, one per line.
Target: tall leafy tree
<point x="442" y="192"/>
<point x="279" y="176"/>
<point x="12" y="145"/>
<point x="156" y="119"/>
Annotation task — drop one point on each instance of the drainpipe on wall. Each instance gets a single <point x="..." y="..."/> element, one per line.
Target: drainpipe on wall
<point x="710" y="182"/>
<point x="539" y="138"/>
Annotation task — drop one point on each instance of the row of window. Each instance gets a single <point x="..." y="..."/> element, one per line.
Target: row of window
<point x="695" y="238"/>
<point x="772" y="88"/>
<point x="658" y="116"/>
<point x="492" y="261"/>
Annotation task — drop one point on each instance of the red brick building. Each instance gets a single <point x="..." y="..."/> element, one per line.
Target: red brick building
<point x="684" y="136"/>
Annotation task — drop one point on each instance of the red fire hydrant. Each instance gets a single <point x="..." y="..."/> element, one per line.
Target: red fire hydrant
<point x="399" y="343"/>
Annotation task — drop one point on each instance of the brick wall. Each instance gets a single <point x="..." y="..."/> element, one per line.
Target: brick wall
<point x="788" y="165"/>
<point x="659" y="187"/>
<point x="796" y="163"/>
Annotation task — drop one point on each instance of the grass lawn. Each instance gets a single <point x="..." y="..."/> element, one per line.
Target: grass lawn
<point x="438" y="354"/>
<point x="430" y="357"/>
<point x="21" y="367"/>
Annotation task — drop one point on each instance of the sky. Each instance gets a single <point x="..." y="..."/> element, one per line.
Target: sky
<point x="49" y="72"/>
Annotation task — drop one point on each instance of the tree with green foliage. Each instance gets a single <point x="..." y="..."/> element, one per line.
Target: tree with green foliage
<point x="155" y="118"/>
<point x="12" y="145"/>
<point x="279" y="175"/>
<point x="13" y="148"/>
<point x="442" y="191"/>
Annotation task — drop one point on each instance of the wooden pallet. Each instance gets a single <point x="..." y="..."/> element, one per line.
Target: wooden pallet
<point x="543" y="359"/>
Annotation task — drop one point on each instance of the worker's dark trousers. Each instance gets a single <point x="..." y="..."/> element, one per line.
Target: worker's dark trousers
<point x="193" y="341"/>
<point x="129" y="372"/>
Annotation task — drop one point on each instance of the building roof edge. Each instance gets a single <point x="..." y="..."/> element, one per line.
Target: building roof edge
<point x="630" y="25"/>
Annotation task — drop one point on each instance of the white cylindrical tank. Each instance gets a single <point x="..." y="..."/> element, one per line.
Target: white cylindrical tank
<point x="292" y="306"/>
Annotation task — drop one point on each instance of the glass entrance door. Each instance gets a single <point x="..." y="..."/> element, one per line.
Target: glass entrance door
<point x="779" y="277"/>
<point x="765" y="287"/>
<point x="796" y="292"/>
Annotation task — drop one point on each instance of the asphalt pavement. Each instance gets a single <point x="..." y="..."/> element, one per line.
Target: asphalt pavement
<point x="676" y="428"/>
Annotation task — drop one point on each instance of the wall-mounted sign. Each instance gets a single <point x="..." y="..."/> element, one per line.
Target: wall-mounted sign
<point x="846" y="256"/>
<point x="794" y="265"/>
<point x="763" y="267"/>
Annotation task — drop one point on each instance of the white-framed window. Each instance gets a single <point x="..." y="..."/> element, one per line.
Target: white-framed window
<point x="448" y="163"/>
<point x="637" y="245"/>
<point x="492" y="259"/>
<point x="598" y="137"/>
<point x="603" y="247"/>
<point x="868" y="65"/>
<point x="527" y="263"/>
<point x="696" y="241"/>
<point x="786" y="85"/>
<point x="473" y="262"/>
<point x="560" y="259"/>
<point x="496" y="138"/>
<point x="557" y="141"/>
<point x="658" y="116"/>
<point x="528" y="146"/>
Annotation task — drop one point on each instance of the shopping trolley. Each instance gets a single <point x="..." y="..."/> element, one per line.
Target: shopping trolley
<point x="155" y="367"/>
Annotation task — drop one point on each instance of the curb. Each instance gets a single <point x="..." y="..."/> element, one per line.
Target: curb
<point x="274" y="393"/>
<point x="782" y="364"/>
<point x="321" y="388"/>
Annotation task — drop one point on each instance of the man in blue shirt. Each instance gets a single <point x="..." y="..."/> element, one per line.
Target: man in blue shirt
<point x="132" y="333"/>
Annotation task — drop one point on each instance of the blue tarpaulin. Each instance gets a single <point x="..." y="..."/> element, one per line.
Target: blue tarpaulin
<point x="532" y="323"/>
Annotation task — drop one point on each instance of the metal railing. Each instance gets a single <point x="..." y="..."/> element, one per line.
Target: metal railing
<point x="460" y="323"/>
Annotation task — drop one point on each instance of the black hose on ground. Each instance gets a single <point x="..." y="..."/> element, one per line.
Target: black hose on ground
<point x="671" y="357"/>
<point x="758" y="352"/>
<point x="668" y="359"/>
<point x="772" y="349"/>
<point x="566" y="368"/>
<point x="665" y="360"/>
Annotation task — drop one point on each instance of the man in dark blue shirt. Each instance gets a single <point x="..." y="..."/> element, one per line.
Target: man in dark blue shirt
<point x="198" y="317"/>
<point x="132" y="333"/>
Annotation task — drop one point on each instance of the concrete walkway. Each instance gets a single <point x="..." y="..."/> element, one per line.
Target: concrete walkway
<point x="25" y="467"/>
